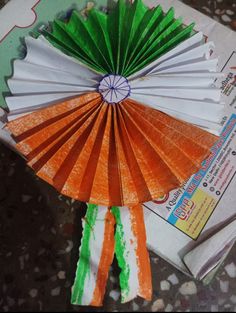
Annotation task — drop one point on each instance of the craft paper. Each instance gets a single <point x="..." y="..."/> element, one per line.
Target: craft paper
<point x="46" y="70"/>
<point x="132" y="255"/>
<point x="113" y="109"/>
<point x="97" y="252"/>
<point x="96" y="256"/>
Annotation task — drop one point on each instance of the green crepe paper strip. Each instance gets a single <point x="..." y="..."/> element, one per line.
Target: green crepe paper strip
<point x="166" y="44"/>
<point x="133" y="18"/>
<point x="124" y="41"/>
<point x="147" y="26"/>
<point x="150" y="40"/>
<point x="62" y="39"/>
<point x="120" y="250"/>
<point x="83" y="266"/>
<point x="99" y="21"/>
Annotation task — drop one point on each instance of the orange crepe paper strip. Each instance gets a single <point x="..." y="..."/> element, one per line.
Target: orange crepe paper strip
<point x="110" y="154"/>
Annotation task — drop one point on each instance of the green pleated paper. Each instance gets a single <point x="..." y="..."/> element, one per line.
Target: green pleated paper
<point x="122" y="41"/>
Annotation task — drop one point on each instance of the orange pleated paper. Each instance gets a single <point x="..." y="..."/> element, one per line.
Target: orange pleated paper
<point x="110" y="154"/>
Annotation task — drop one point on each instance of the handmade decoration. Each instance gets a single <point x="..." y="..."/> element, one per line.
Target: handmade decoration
<point x="115" y="109"/>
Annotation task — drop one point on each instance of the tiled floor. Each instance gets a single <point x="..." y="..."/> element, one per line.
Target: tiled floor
<point x="223" y="11"/>
<point x="40" y="233"/>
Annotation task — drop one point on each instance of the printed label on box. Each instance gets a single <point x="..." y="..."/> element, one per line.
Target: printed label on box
<point x="190" y="207"/>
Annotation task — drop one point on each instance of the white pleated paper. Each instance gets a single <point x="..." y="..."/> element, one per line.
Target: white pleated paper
<point x="179" y="83"/>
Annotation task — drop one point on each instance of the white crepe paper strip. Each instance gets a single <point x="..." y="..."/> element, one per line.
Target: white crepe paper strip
<point x="212" y="127"/>
<point x="29" y="71"/>
<point x="198" y="53"/>
<point x="130" y="244"/>
<point x="96" y="255"/>
<point x="130" y="252"/>
<point x="97" y="251"/>
<point x="200" y="109"/>
<point x="30" y="87"/>
<point x="204" y="66"/>
<point x="174" y="81"/>
<point x="26" y="104"/>
<point x="213" y="94"/>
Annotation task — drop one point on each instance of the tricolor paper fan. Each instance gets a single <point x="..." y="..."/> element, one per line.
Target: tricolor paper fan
<point x="113" y="109"/>
<point x="98" y="131"/>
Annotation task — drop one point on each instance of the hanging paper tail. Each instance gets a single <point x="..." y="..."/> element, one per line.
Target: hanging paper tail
<point x="131" y="253"/>
<point x="96" y="256"/>
<point x="97" y="252"/>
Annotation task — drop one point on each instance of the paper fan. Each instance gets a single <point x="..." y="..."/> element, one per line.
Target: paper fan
<point x="89" y="134"/>
<point x="116" y="109"/>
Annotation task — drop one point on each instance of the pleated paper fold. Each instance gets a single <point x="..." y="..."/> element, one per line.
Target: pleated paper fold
<point x="97" y="252"/>
<point x="120" y="154"/>
<point x="96" y="256"/>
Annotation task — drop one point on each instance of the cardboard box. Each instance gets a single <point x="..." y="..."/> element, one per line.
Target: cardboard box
<point x="193" y="228"/>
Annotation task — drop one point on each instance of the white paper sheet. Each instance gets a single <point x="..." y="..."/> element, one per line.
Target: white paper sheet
<point x="219" y="245"/>
<point x="171" y="243"/>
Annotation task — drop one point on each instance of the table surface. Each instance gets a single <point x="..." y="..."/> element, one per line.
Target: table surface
<point x="40" y="232"/>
